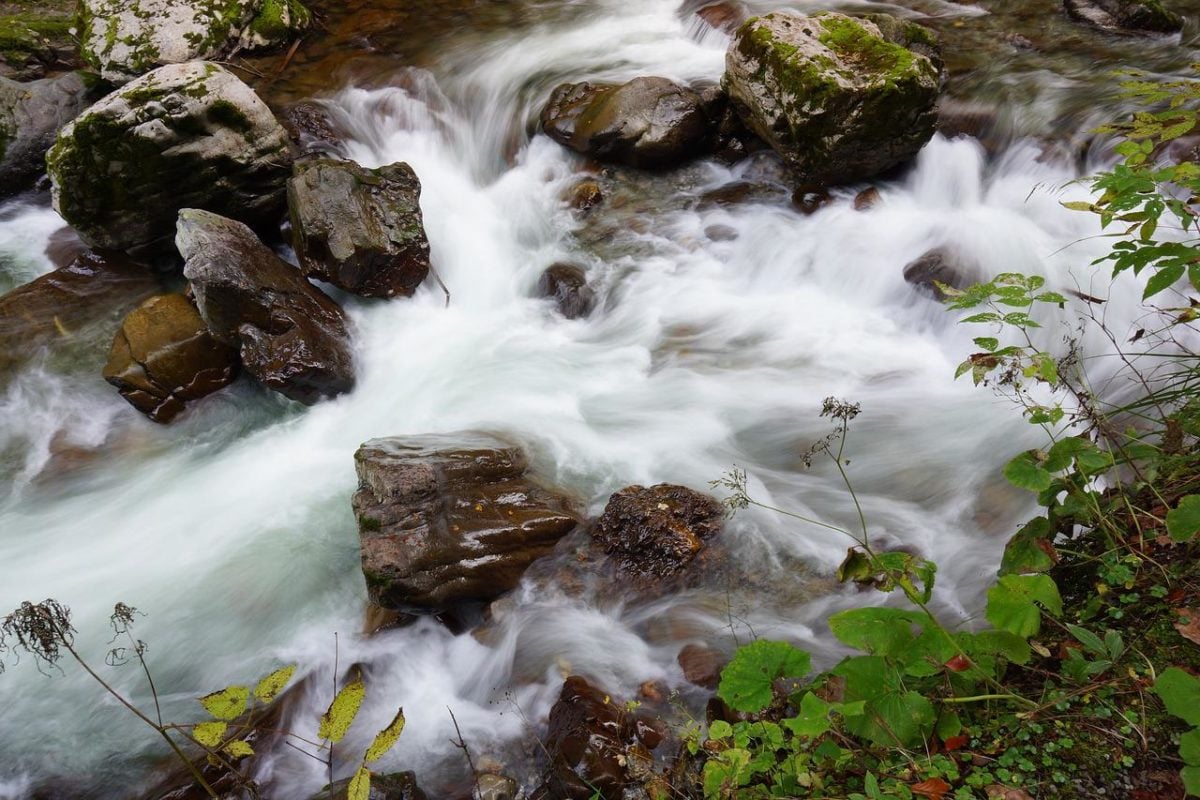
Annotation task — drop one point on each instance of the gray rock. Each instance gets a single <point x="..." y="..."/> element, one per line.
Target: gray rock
<point x="447" y="520"/>
<point x="567" y="285"/>
<point x="183" y="136"/>
<point x="1125" y="16"/>
<point x="649" y="123"/>
<point x="832" y="94"/>
<point x="291" y="337"/>
<point x="127" y="38"/>
<point x="357" y="228"/>
<point x="31" y="115"/>
<point x="941" y="265"/>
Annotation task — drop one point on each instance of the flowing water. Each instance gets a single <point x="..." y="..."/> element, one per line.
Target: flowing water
<point x="721" y="329"/>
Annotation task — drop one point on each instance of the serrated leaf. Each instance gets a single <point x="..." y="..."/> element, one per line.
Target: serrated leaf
<point x="1180" y="693"/>
<point x="856" y="566"/>
<point x="342" y="711"/>
<point x="227" y="704"/>
<point x="1183" y="521"/>
<point x="1012" y="604"/>
<point x="270" y="687"/>
<point x="360" y="785"/>
<point x="949" y="725"/>
<point x="239" y="748"/>
<point x="209" y="734"/>
<point x="1026" y="472"/>
<point x="747" y="682"/>
<point x="813" y="719"/>
<point x="878" y="631"/>
<point x="386" y="738"/>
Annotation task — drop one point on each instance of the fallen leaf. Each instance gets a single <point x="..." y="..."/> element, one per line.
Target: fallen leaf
<point x="956" y="742"/>
<point x="934" y="788"/>
<point x="998" y="792"/>
<point x="1188" y="624"/>
<point x="958" y="664"/>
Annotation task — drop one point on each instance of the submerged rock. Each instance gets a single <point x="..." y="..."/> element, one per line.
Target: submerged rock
<point x="941" y="265"/>
<point x="1125" y="16"/>
<point x="832" y="94"/>
<point x="357" y="228"/>
<point x="291" y="337"/>
<point x="391" y="786"/>
<point x="446" y="520"/>
<point x="649" y="123"/>
<point x="184" y="136"/>
<point x="31" y="115"/>
<point x="123" y="39"/>
<point x="659" y="530"/>
<point x="164" y="356"/>
<point x="567" y="285"/>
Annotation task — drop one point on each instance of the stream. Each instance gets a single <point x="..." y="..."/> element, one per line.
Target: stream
<point x="720" y="329"/>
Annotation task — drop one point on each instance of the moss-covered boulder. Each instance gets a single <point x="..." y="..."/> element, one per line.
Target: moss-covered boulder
<point x="838" y="97"/>
<point x="37" y="38"/>
<point x="126" y="38"/>
<point x="650" y="123"/>
<point x="1125" y="16"/>
<point x="31" y="115"/>
<point x="357" y="228"/>
<point x="183" y="136"/>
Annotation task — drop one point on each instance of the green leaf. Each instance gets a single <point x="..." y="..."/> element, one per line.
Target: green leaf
<point x="1189" y="747"/>
<point x="239" y="748"/>
<point x="1012" y="603"/>
<point x="209" y="734"/>
<point x="1089" y="640"/>
<point x="987" y="343"/>
<point x="1079" y="205"/>
<point x="270" y="687"/>
<point x="1026" y="472"/>
<point x="1012" y="647"/>
<point x="878" y="631"/>
<point x="360" y="785"/>
<point x="948" y="725"/>
<point x="856" y="566"/>
<point x="890" y="715"/>
<point x="720" y="729"/>
<point x="1191" y="780"/>
<point x="227" y="704"/>
<point x="386" y="738"/>
<point x="1162" y="280"/>
<point x="813" y="719"/>
<point x="342" y="711"/>
<point x="747" y="682"/>
<point x="1180" y="693"/>
<point x="1029" y="550"/>
<point x="1183" y="521"/>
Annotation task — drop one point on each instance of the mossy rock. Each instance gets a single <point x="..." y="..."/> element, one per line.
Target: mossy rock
<point x="37" y="38"/>
<point x="1126" y="16"/>
<point x="277" y="22"/>
<point x="840" y="98"/>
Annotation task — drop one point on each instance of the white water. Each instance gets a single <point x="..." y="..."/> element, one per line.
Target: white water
<point x="232" y="529"/>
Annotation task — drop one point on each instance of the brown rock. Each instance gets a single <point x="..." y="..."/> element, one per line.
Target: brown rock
<point x="446" y="520"/>
<point x="657" y="531"/>
<point x="809" y="201"/>
<point x="312" y="129"/>
<point x="567" y="285"/>
<point x="163" y="356"/>
<point x="726" y="17"/>
<point x="585" y="195"/>
<point x="940" y="265"/>
<point x="701" y="665"/>
<point x="867" y="198"/>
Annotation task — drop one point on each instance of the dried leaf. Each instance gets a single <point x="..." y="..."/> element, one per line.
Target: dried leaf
<point x="956" y="742"/>
<point x="1188" y="624"/>
<point x="934" y="788"/>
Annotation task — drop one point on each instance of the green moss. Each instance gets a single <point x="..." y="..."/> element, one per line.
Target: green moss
<point x="368" y="524"/>
<point x="24" y="35"/>
<point x="277" y="20"/>
<point x="228" y="115"/>
<point x="858" y="46"/>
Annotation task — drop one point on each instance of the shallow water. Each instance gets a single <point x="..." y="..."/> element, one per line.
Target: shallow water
<point x="232" y="528"/>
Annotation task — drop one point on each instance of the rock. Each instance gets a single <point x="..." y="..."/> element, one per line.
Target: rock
<point x="163" y="356"/>
<point x="741" y="192"/>
<point x="940" y="265"/>
<point x="448" y="520"/>
<point x="185" y="136"/>
<point x="831" y="94"/>
<point x="657" y="531"/>
<point x="311" y="127"/>
<point x="866" y="199"/>
<point x="567" y="285"/>
<point x="36" y="38"/>
<point x="31" y="115"/>
<point x="701" y="665"/>
<point x="291" y="337"/>
<point x="649" y="123"/>
<point x="393" y="786"/>
<point x="1125" y="16"/>
<point x="724" y="17"/>
<point x="357" y="228"/>
<point x="69" y="305"/>
<point x="64" y="246"/>
<point x="809" y="201"/>
<point x="123" y="39"/>
<point x="585" y="195"/>
<point x="595" y="747"/>
<point x="909" y="35"/>
<point x="495" y="787"/>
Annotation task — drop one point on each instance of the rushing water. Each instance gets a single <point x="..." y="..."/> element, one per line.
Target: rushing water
<point x="720" y="330"/>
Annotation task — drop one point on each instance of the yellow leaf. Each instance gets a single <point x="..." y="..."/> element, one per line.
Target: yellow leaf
<point x="342" y="711"/>
<point x="209" y="733"/>
<point x="239" y="748"/>
<point x="360" y="785"/>
<point x="269" y="687"/>
<point x="386" y="738"/>
<point x="227" y="704"/>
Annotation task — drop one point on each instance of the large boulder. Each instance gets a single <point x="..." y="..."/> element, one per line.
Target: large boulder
<point x="184" y="136"/>
<point x="31" y="115"/>
<point x="1125" y="16"/>
<point x="164" y="356"/>
<point x="832" y="94"/>
<point x="449" y="520"/>
<point x="357" y="228"/>
<point x="650" y="123"/>
<point x="291" y="336"/>
<point x="657" y="531"/>
<point x="123" y="39"/>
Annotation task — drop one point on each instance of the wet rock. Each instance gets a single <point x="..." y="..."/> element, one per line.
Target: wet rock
<point x="809" y="201"/>
<point x="64" y="246"/>
<point x="731" y="139"/>
<point x="866" y="199"/>
<point x="164" y="356"/>
<point x="123" y="39"/>
<point x="31" y="115"/>
<point x="567" y="285"/>
<point x="495" y="787"/>
<point x="393" y="786"/>
<point x="290" y="336"/>
<point x="741" y="192"/>
<point x="659" y="530"/>
<point x="67" y="306"/>
<point x="594" y="745"/>
<point x="357" y="228"/>
<point x="701" y="665"/>
<point x="447" y="520"/>
<point x="909" y="35"/>
<point x="968" y="118"/>
<point x="721" y="233"/>
<point x="830" y="93"/>
<point x="940" y="265"/>
<point x="585" y="195"/>
<point x="184" y="136"/>
<point x="725" y="17"/>
<point x="1125" y="16"/>
<point x="649" y="123"/>
<point x="311" y="127"/>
